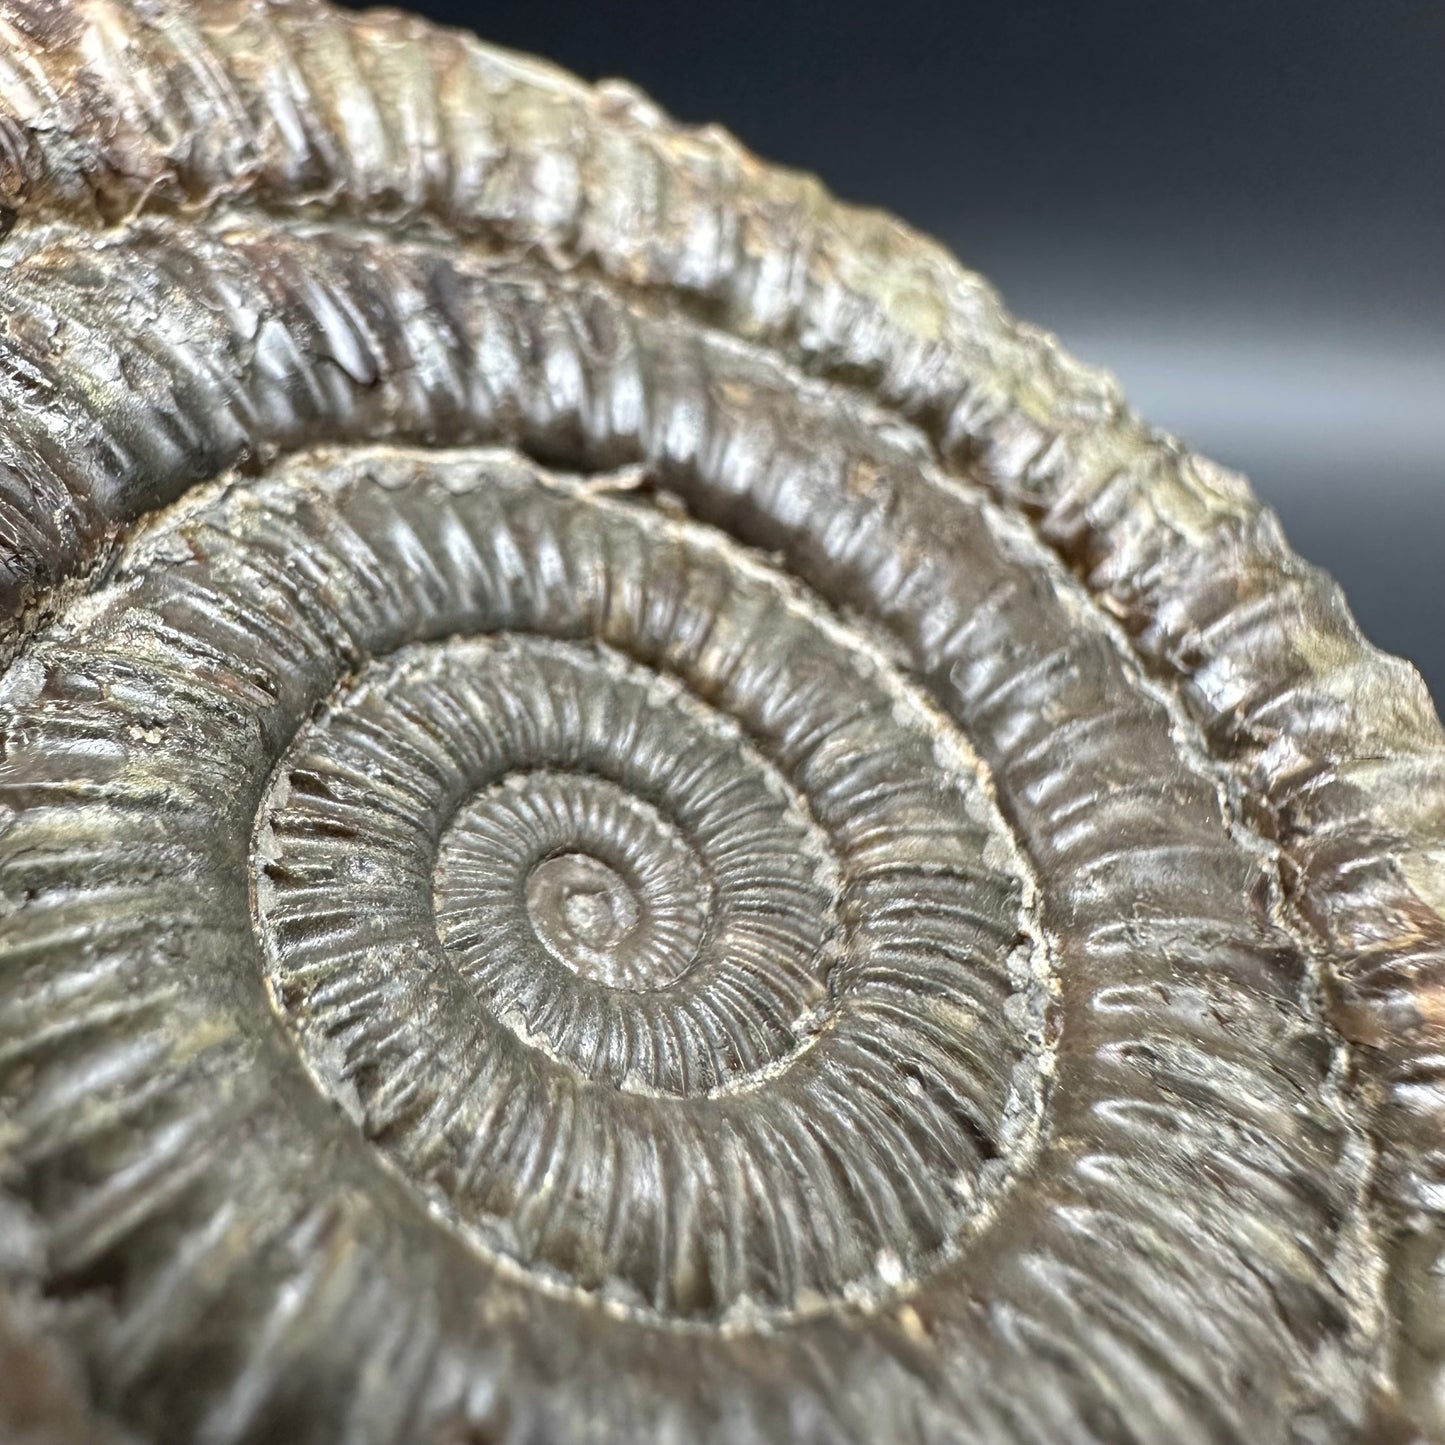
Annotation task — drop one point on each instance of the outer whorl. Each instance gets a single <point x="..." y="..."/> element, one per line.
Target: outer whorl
<point x="628" y="814"/>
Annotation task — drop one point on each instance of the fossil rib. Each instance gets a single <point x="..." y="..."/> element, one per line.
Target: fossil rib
<point x="629" y="814"/>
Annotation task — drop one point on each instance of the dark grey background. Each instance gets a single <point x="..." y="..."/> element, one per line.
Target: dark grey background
<point x="1238" y="206"/>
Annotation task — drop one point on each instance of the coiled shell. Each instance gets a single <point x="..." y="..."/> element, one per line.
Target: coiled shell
<point x="630" y="815"/>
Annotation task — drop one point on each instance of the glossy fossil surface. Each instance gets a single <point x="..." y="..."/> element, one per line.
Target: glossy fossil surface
<point x="631" y="815"/>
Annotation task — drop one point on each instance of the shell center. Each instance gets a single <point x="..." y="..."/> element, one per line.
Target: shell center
<point x="584" y="912"/>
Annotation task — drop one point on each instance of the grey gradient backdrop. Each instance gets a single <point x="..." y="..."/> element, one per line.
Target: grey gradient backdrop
<point x="1237" y="206"/>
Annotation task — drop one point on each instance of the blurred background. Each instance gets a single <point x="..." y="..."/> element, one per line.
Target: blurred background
<point x="1237" y="207"/>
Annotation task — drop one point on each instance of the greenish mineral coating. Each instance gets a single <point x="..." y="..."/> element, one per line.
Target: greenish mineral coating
<point x="626" y="813"/>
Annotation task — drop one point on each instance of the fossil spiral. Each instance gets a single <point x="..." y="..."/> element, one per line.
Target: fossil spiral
<point x="628" y="814"/>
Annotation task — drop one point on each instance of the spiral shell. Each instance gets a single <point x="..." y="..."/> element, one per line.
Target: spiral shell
<point x="630" y="815"/>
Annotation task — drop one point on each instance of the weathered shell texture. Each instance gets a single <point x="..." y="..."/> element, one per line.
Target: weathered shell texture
<point x="629" y="815"/>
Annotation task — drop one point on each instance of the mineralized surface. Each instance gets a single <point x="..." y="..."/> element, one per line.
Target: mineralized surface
<point x="627" y="814"/>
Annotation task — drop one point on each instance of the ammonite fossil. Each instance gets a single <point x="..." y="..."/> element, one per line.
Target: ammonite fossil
<point x="629" y="815"/>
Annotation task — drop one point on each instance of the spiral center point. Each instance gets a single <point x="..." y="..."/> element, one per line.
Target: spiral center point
<point x="584" y="912"/>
